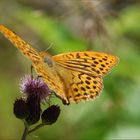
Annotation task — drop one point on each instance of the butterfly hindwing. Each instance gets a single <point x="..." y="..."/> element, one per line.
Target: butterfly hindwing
<point x="84" y="87"/>
<point x="79" y="86"/>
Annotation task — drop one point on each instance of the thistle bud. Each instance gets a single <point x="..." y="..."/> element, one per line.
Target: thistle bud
<point x="20" y="109"/>
<point x="50" y="115"/>
<point x="33" y="104"/>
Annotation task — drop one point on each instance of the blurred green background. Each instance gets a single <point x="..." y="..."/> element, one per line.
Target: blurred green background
<point x="111" y="26"/>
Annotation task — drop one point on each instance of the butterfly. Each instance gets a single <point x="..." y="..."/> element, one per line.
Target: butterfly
<point x="73" y="76"/>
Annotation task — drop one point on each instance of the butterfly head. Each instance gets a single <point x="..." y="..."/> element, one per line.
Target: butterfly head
<point x="48" y="60"/>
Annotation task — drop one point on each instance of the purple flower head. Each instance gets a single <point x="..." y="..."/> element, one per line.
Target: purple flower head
<point x="30" y="86"/>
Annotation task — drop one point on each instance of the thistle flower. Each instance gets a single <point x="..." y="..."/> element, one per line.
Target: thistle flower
<point x="37" y="86"/>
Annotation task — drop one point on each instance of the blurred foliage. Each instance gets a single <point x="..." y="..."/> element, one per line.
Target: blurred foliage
<point x="111" y="26"/>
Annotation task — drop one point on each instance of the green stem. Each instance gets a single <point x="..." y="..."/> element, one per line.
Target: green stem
<point x="25" y="133"/>
<point x="37" y="127"/>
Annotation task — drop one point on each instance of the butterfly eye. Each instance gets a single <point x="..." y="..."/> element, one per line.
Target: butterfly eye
<point x="48" y="61"/>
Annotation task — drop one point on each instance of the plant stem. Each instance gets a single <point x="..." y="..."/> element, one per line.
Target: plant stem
<point x="37" y="127"/>
<point x="25" y="133"/>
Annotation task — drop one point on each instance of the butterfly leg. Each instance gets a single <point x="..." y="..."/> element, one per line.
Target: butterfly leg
<point x="32" y="71"/>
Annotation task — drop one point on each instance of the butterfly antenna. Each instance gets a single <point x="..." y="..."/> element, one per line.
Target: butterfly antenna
<point x="50" y="45"/>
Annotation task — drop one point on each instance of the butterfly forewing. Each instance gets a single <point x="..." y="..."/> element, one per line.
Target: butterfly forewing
<point x="91" y="63"/>
<point x="24" y="47"/>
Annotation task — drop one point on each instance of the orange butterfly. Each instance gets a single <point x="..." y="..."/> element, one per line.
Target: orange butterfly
<point x="73" y="76"/>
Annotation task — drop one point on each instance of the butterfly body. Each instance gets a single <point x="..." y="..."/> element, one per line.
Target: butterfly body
<point x="73" y="76"/>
